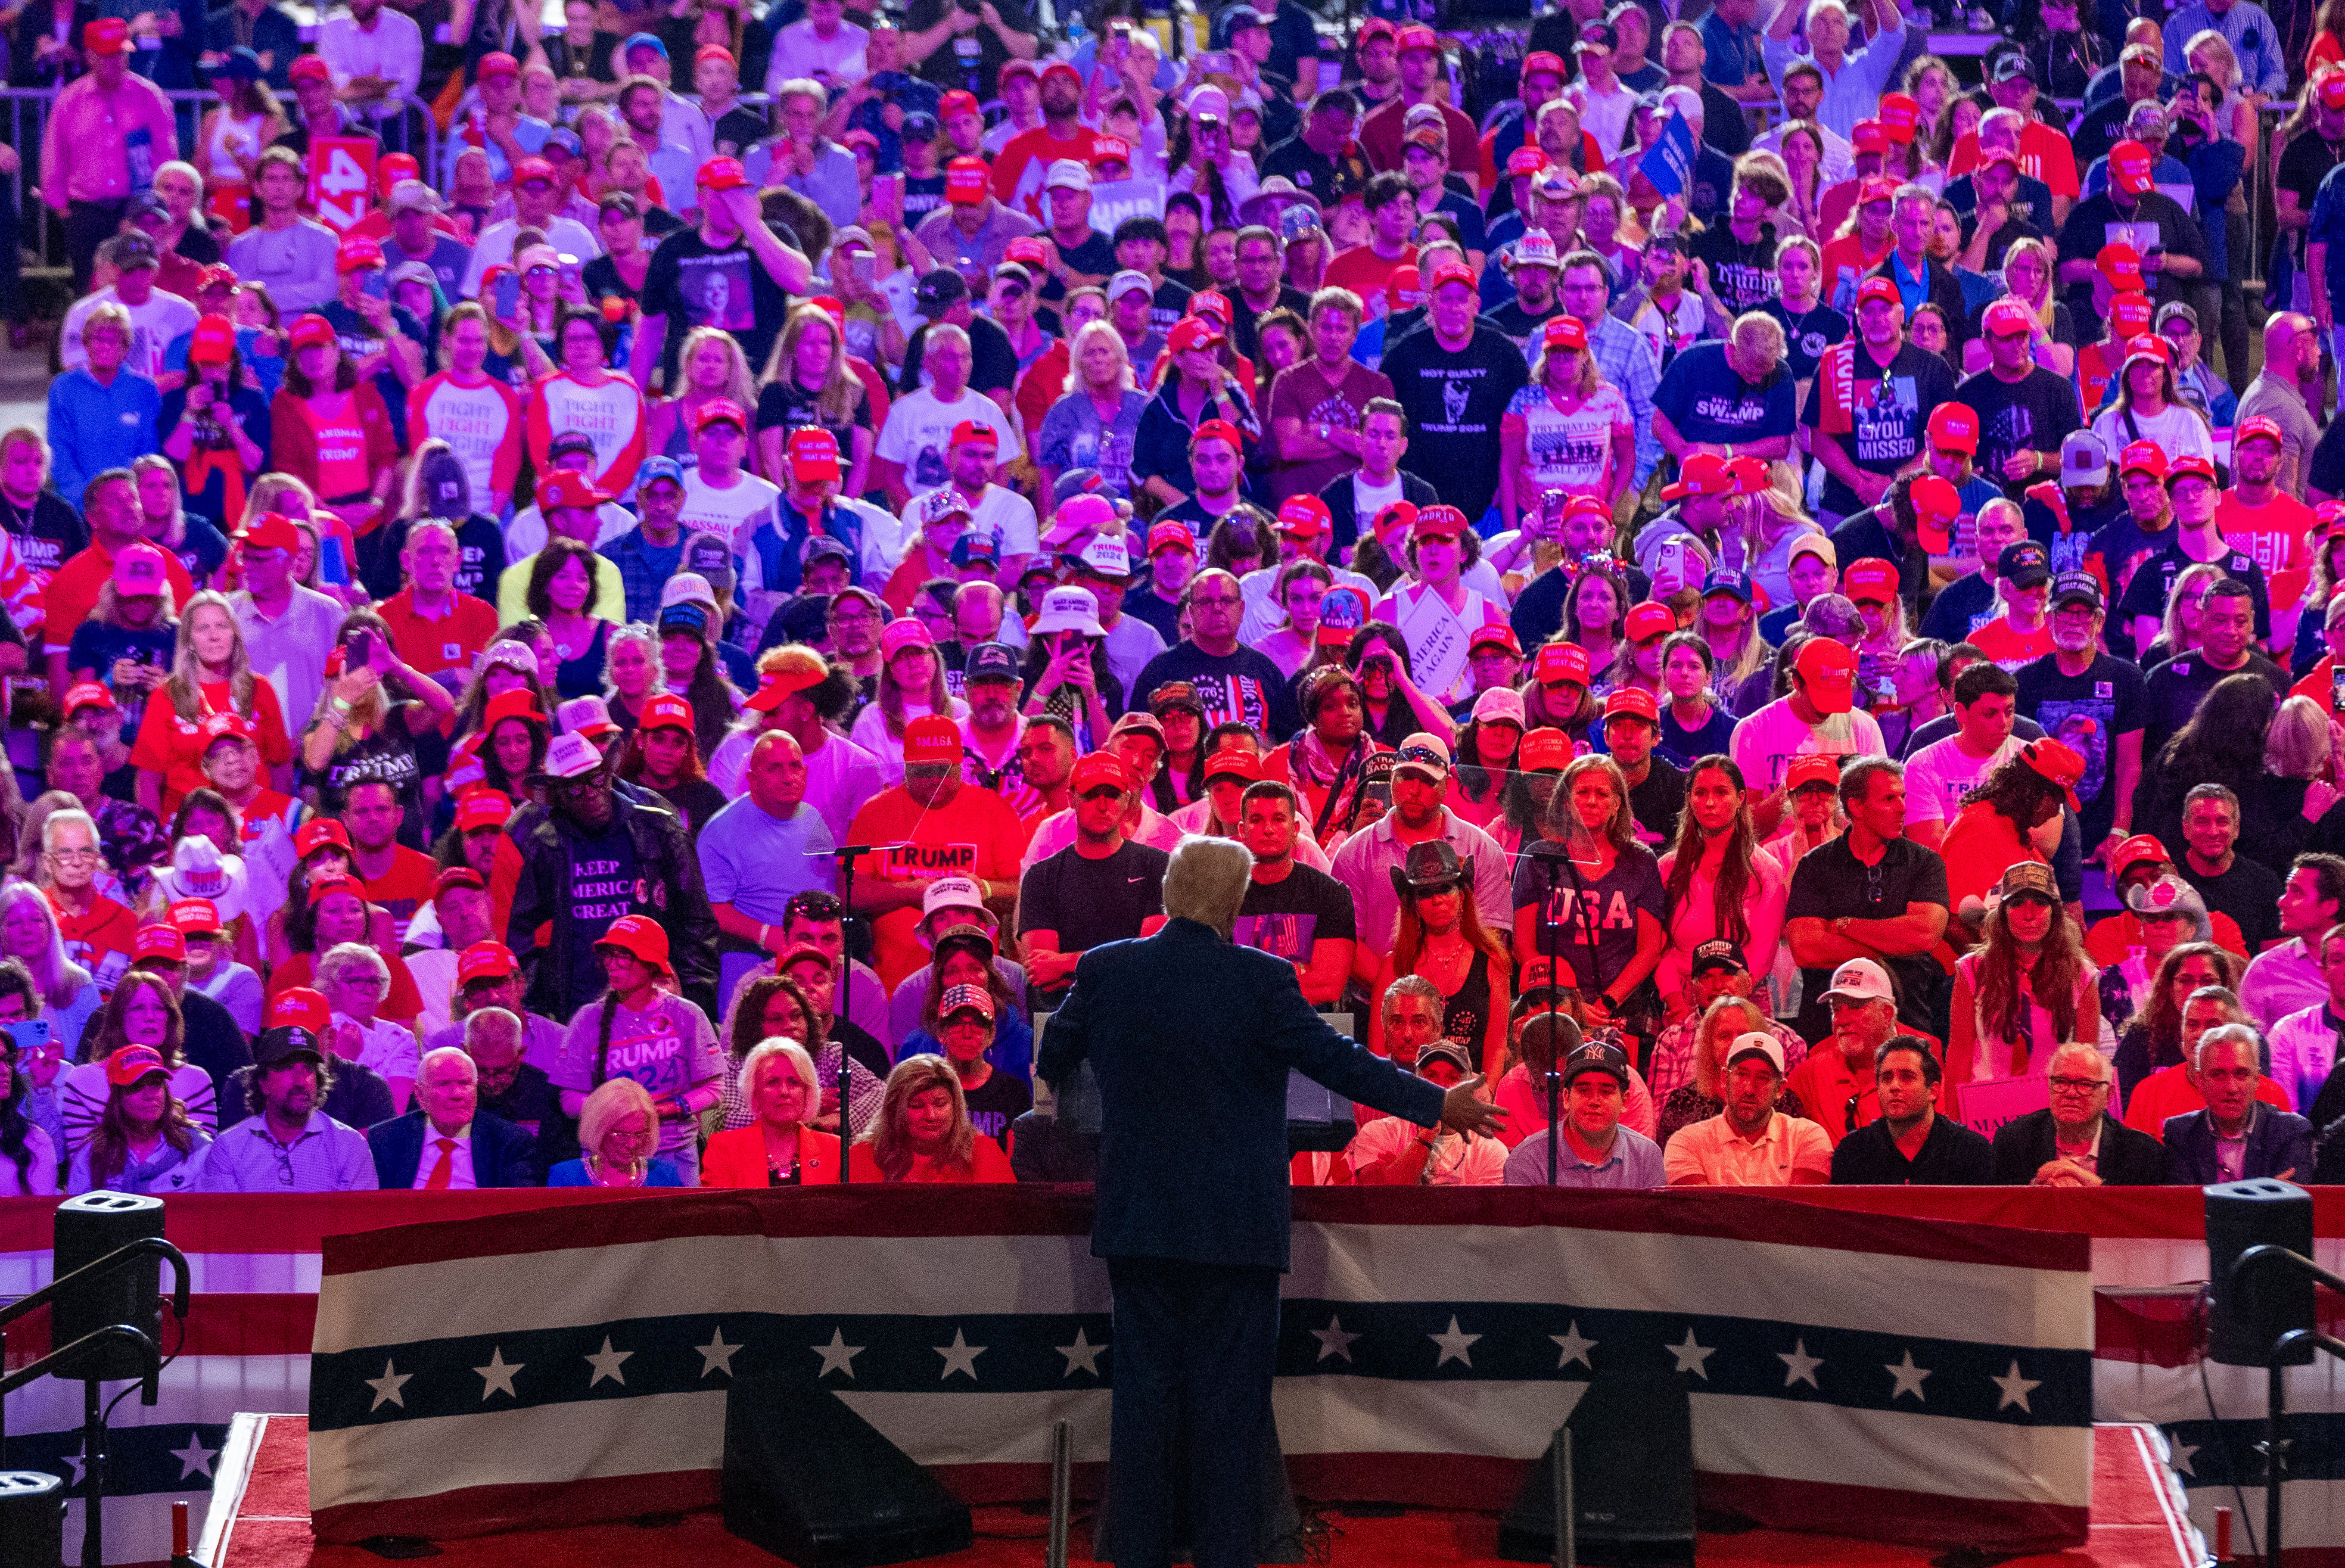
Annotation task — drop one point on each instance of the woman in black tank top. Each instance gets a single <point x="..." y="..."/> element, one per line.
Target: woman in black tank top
<point x="1442" y="941"/>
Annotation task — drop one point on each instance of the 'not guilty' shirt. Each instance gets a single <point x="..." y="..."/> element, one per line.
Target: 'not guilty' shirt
<point x="1455" y="402"/>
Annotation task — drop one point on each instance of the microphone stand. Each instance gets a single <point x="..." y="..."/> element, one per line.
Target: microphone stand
<point x="847" y="857"/>
<point x="1549" y="933"/>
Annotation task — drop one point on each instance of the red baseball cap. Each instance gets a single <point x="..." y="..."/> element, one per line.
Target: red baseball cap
<point x="2129" y="313"/>
<point x="1404" y="288"/>
<point x="486" y="961"/>
<point x="1546" y="747"/>
<point x="1936" y="504"/>
<point x="1650" y="619"/>
<point x="1305" y="516"/>
<point x="968" y="182"/>
<point x="1416" y="35"/>
<point x="1192" y="332"/>
<point x="111" y="35"/>
<point x="639" y="937"/>
<point x="487" y="808"/>
<point x="452" y="878"/>
<point x="495" y="64"/>
<point x="2007" y="318"/>
<point x="214" y="341"/>
<point x="1868" y="136"/>
<point x="1494" y="635"/>
<point x="88" y="695"/>
<point x="1212" y="303"/>
<point x="218" y="727"/>
<point x="160" y="941"/>
<point x="1100" y="768"/>
<point x="1232" y="762"/>
<point x="304" y="69"/>
<point x="1447" y="270"/>
<point x="1901" y="116"/>
<point x="666" y="711"/>
<point x="960" y="101"/>
<point x="1564" y="332"/>
<point x="570" y="489"/>
<point x="131" y="1063"/>
<point x="1217" y="430"/>
<point x="1874" y="289"/>
<point x="298" y="1007"/>
<point x="1812" y="769"/>
<point x="1870" y="580"/>
<point x="533" y="169"/>
<point x="356" y="255"/>
<point x="976" y="431"/>
<point x="1171" y="536"/>
<point x="324" y="887"/>
<point x="2190" y="464"/>
<point x="932" y="740"/>
<point x="1954" y="426"/>
<point x="722" y="174"/>
<point x="1829" y="670"/>
<point x="269" y="531"/>
<point x="2118" y="262"/>
<point x="1544" y="60"/>
<point x="1560" y="661"/>
<point x="1525" y="159"/>
<point x="311" y="331"/>
<point x="814" y="454"/>
<point x="721" y="412"/>
<point x="1703" y="473"/>
<point x="2131" y="168"/>
<point x="195" y="917"/>
<point x="318" y="833"/>
<point x="2330" y="85"/>
<point x="1632" y="701"/>
<point x="2142" y="457"/>
<point x="2259" y="426"/>
<point x="1438" y="522"/>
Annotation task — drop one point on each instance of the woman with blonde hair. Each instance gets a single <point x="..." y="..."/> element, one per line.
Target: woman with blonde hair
<point x="807" y="383"/>
<point x="924" y="1134"/>
<point x="1567" y="429"/>
<point x="29" y="934"/>
<point x="2299" y="783"/>
<point x="2028" y="278"/>
<point x="2026" y="989"/>
<point x="619" y="1130"/>
<point x="1095" y="419"/>
<point x="210" y="674"/>
<point x="2149" y="406"/>
<point x="779" y="1147"/>
<point x="912" y="686"/>
<point x="2210" y="55"/>
<point x="712" y="367"/>
<point x="1599" y="864"/>
<point x="1704" y="1098"/>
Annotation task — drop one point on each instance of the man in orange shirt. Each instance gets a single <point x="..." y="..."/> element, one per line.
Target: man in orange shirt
<point x="110" y="507"/>
<point x="942" y="826"/>
<point x="397" y="877"/>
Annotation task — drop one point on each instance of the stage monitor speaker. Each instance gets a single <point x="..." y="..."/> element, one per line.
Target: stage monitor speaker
<point x="32" y="1518"/>
<point x="2273" y="1298"/>
<point x="1631" y="1478"/>
<point x="807" y="1479"/>
<point x="87" y="1229"/>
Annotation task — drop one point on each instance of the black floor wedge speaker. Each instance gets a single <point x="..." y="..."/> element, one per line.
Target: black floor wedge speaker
<point x="808" y="1480"/>
<point x="1632" y="1479"/>
<point x="2273" y="1298"/>
<point x="32" y="1517"/>
<point x="86" y="1228"/>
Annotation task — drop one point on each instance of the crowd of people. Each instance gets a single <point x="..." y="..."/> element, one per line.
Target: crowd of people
<point x="1781" y="662"/>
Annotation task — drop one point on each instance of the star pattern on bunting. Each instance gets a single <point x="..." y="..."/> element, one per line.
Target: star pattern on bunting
<point x="388" y="1386"/>
<point x="195" y="1459"/>
<point x="717" y="1356"/>
<point x="838" y="1356"/>
<point x="1693" y="1354"/>
<point x="1909" y="1378"/>
<point x="497" y="1377"/>
<point x="607" y="1363"/>
<point x="1333" y="1340"/>
<point x="79" y="1460"/>
<point x="1574" y="1348"/>
<point x="1082" y="1353"/>
<point x="1799" y="1367"/>
<point x="960" y="1356"/>
<point x="2014" y="1389"/>
<point x="2182" y="1454"/>
<point x="1455" y="1346"/>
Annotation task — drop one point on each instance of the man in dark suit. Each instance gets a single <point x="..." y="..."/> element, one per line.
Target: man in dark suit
<point x="2236" y="1136"/>
<point x="1192" y="1204"/>
<point x="447" y="1140"/>
<point x="2077" y="1142"/>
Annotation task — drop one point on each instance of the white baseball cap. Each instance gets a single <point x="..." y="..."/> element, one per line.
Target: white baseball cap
<point x="1758" y="1041"/>
<point x="1859" y="980"/>
<point x="962" y="898"/>
<point x="1067" y="173"/>
<point x="1069" y="610"/>
<point x="572" y="755"/>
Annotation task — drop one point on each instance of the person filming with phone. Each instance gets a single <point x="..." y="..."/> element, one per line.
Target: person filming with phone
<point x="367" y="719"/>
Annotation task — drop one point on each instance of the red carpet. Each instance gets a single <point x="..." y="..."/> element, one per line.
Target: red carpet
<point x="2131" y="1529"/>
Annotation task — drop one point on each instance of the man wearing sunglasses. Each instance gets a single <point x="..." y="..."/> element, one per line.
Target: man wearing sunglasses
<point x="1101" y="888"/>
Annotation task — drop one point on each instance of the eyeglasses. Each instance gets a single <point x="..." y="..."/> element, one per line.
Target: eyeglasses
<point x="2078" y="1085"/>
<point x="74" y="856"/>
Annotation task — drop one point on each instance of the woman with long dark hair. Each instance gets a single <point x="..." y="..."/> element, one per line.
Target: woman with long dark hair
<point x="1596" y="863"/>
<point x="1443" y="941"/>
<point x="561" y="594"/>
<point x="780" y="1006"/>
<point x="661" y="755"/>
<point x="691" y="668"/>
<point x="513" y="748"/>
<point x="2026" y="990"/>
<point x="1393" y="706"/>
<point x="1327" y="763"/>
<point x="141" y="1012"/>
<point x="2222" y="743"/>
<point x="329" y="427"/>
<point x="1715" y="883"/>
<point x="1486" y="750"/>
<point x="2152" y="1041"/>
<point x="509" y="664"/>
<point x="144" y="1141"/>
<point x="2013" y="814"/>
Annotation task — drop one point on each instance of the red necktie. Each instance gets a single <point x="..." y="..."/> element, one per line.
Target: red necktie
<point x="437" y="1180"/>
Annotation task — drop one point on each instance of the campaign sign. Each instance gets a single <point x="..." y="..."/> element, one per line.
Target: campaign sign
<point x="921" y="862"/>
<point x="1987" y="1106"/>
<point x="341" y="176"/>
<point x="1114" y="200"/>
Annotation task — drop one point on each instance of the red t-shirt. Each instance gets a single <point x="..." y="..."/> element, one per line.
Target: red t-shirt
<point x="2008" y="648"/>
<point x="447" y="643"/>
<point x="987" y="1164"/>
<point x="1365" y="273"/>
<point x="1846" y="261"/>
<point x="100" y="941"/>
<point x="2274" y="536"/>
<point x="1025" y="157"/>
<point x="174" y="747"/>
<point x="2096" y="367"/>
<point x="403" y="1005"/>
<point x="405" y="887"/>
<point x="975" y="817"/>
<point x="2043" y="154"/>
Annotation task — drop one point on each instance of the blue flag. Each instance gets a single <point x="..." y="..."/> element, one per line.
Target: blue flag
<point x="1670" y="164"/>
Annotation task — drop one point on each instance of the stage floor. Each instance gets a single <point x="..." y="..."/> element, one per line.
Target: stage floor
<point x="2136" y="1523"/>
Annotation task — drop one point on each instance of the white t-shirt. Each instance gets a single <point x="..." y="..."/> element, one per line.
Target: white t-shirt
<point x="154" y="325"/>
<point x="494" y="247"/>
<point x="1939" y="774"/>
<point x="732" y="513"/>
<point x="1006" y="515"/>
<point x="2179" y="432"/>
<point x="919" y="430"/>
<point x="1263" y="617"/>
<point x="1453" y="1161"/>
<point x="1764" y="743"/>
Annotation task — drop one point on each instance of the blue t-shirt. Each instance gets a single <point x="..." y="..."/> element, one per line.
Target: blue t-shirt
<point x="1733" y="57"/>
<point x="757" y="862"/>
<point x="95" y="646"/>
<point x="1708" y="400"/>
<point x="2328" y="227"/>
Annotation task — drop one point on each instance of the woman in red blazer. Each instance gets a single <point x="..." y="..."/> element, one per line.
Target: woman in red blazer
<point x="778" y="1149"/>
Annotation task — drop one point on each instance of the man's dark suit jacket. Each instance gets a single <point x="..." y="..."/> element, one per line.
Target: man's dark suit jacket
<point x="1191" y="1039"/>
<point x="2127" y="1158"/>
<point x="501" y="1151"/>
<point x="2279" y="1143"/>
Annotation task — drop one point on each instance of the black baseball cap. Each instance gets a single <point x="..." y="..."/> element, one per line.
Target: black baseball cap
<point x="2075" y="588"/>
<point x="273" y="1047"/>
<point x="2023" y="564"/>
<point x="991" y="661"/>
<point x="1718" y="954"/>
<point x="1598" y="1056"/>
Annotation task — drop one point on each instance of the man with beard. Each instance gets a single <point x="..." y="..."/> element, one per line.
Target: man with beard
<point x="590" y="857"/>
<point x="2093" y="702"/>
<point x="289" y="1145"/>
<point x="1061" y="134"/>
<point x="2258" y="519"/>
<point x="1911" y="1145"/>
<point x="2025" y="412"/>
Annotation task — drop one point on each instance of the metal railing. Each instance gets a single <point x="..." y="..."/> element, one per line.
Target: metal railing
<point x="25" y="114"/>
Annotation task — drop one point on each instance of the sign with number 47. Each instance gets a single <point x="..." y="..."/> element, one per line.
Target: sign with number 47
<point x="341" y="177"/>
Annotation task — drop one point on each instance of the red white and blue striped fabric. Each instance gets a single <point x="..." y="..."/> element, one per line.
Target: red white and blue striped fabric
<point x="1916" y="1380"/>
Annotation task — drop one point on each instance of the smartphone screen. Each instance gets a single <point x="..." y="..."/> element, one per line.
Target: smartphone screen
<point x="32" y="1035"/>
<point x="358" y="648"/>
<point x="2336" y="690"/>
<point x="377" y="285"/>
<point x="865" y="267"/>
<point x="569" y="273"/>
<point x="509" y="297"/>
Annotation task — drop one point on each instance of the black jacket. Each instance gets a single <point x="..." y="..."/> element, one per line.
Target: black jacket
<point x="2127" y="1158"/>
<point x="1944" y="293"/>
<point x="1345" y="515"/>
<point x="1952" y="1155"/>
<point x="563" y="976"/>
